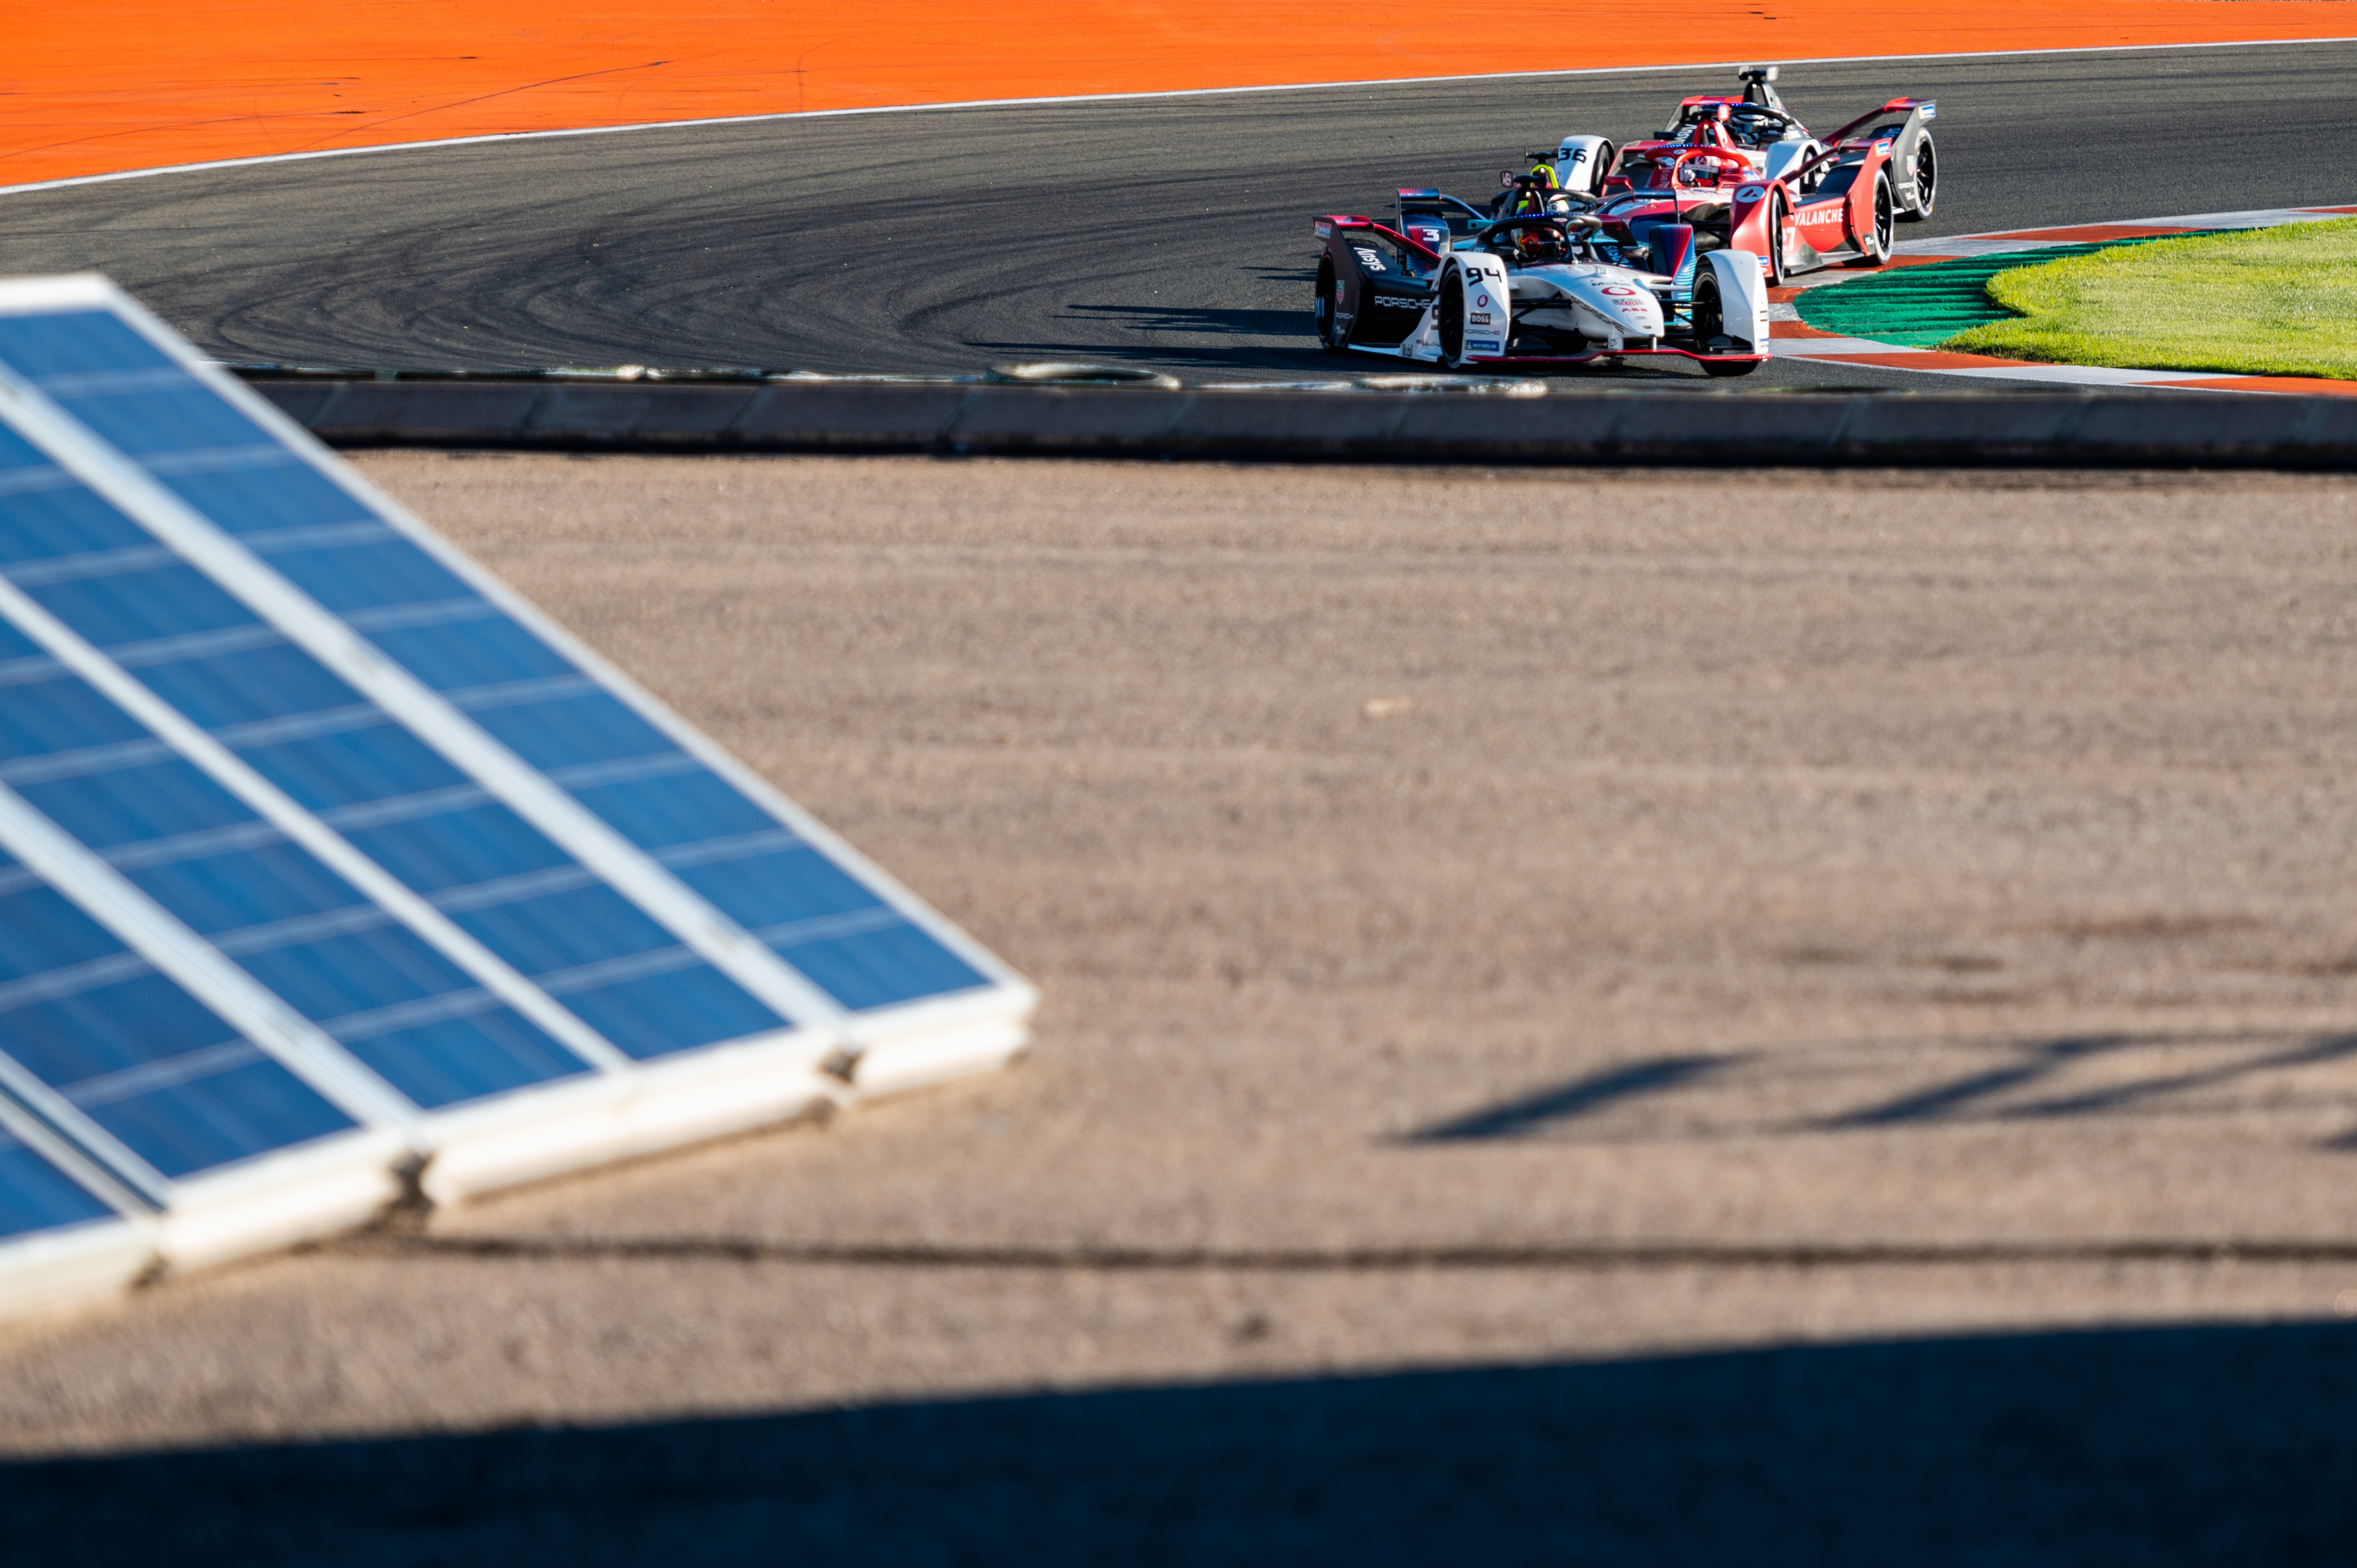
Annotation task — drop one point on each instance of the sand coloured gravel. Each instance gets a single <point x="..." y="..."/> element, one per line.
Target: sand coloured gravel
<point x="1419" y="860"/>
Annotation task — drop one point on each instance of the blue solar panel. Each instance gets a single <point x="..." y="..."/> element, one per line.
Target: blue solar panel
<point x="135" y="396"/>
<point x="36" y="1195"/>
<point x="84" y="1017"/>
<point x="302" y="930"/>
<point x="258" y="888"/>
<point x="76" y="342"/>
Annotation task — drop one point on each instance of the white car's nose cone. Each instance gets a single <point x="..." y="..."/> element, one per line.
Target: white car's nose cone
<point x="1633" y="306"/>
<point x="1607" y="305"/>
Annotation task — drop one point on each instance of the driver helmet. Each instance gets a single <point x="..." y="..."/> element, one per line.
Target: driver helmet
<point x="1541" y="243"/>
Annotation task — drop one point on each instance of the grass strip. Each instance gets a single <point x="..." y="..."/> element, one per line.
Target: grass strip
<point x="1919" y="307"/>
<point x="2279" y="301"/>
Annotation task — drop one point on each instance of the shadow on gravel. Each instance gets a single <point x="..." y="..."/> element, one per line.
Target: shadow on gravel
<point x="2186" y="1445"/>
<point x="1869" y="1085"/>
<point x="1581" y="1097"/>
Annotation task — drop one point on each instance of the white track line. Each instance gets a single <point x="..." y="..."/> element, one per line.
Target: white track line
<point x="1125" y="98"/>
<point x="1998" y="241"/>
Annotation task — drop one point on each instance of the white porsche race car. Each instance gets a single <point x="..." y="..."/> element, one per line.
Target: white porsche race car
<point x="1537" y="290"/>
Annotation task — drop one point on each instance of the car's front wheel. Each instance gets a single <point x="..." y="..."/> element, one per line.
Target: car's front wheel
<point x="1452" y="320"/>
<point x="1710" y="330"/>
<point x="1709" y="314"/>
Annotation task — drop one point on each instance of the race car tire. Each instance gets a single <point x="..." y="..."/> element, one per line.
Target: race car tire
<point x="1709" y="311"/>
<point x="1927" y="182"/>
<point x="1776" y="214"/>
<point x="1876" y="245"/>
<point x="1709" y="323"/>
<point x="1452" y="320"/>
<point x="1603" y="157"/>
<point x="1322" y="310"/>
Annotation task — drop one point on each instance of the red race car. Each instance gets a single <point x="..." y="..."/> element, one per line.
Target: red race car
<point x="1747" y="176"/>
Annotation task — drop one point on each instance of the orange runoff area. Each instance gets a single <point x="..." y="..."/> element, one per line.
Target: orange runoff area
<point x="105" y="85"/>
<point x="2306" y="386"/>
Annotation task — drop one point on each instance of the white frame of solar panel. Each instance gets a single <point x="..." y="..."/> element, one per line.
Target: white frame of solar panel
<point x="52" y="1270"/>
<point x="618" y="1111"/>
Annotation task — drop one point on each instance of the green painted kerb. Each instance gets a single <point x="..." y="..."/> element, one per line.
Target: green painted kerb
<point x="1920" y="307"/>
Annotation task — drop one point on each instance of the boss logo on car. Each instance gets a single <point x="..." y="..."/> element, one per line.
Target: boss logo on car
<point x="1480" y="318"/>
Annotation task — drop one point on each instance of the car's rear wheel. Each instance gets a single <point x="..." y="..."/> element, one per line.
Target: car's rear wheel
<point x="1326" y="307"/>
<point x="1927" y="181"/>
<point x="1603" y="157"/>
<point x="1452" y="320"/>
<point x="1877" y="239"/>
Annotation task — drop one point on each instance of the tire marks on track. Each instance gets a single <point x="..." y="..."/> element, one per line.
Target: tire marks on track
<point x="1170" y="233"/>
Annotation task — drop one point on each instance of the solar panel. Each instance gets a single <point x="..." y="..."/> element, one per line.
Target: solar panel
<point x="320" y="836"/>
<point x="215" y="864"/>
<point x="457" y="633"/>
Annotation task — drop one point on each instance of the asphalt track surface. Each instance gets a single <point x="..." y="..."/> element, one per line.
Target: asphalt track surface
<point x="1172" y="233"/>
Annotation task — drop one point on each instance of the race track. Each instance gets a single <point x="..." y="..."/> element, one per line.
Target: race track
<point x="1171" y="233"/>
